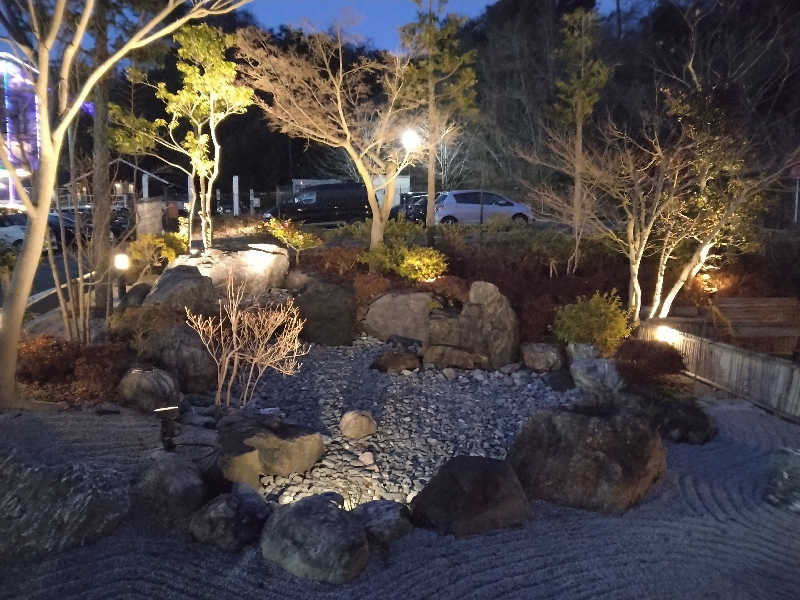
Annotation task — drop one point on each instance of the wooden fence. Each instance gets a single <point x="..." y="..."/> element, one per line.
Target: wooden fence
<point x="767" y="381"/>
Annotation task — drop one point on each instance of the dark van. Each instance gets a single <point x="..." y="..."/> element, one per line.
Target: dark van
<point x="327" y="203"/>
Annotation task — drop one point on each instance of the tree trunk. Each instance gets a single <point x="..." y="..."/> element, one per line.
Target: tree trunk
<point x="190" y="223"/>
<point x="101" y="213"/>
<point x="378" y="222"/>
<point x="577" y="197"/>
<point x="432" y="146"/>
<point x="16" y="300"/>
<point x="634" y="291"/>
<point x="659" y="286"/>
<point x="689" y="270"/>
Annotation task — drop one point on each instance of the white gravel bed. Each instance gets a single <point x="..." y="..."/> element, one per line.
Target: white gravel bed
<point x="423" y="419"/>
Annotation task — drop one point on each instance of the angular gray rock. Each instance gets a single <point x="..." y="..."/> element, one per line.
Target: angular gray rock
<point x="314" y="539"/>
<point x="485" y="334"/>
<point x="385" y="521"/>
<point x="597" y="376"/>
<point x="183" y="286"/>
<point x="577" y="351"/>
<point x="395" y="363"/>
<point x="180" y="350"/>
<point x="329" y="310"/>
<point x="260" y="268"/>
<point x="231" y="521"/>
<point x="134" y="296"/>
<point x="471" y="495"/>
<point x="48" y="508"/>
<point x="356" y="424"/>
<point x="399" y="314"/>
<point x="450" y="356"/>
<point x="253" y="446"/>
<point x="592" y="457"/>
<point x="149" y="389"/>
<point x="499" y="326"/>
<point x="542" y="357"/>
<point x="170" y="487"/>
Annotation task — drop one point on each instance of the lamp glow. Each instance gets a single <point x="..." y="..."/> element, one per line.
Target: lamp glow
<point x="121" y="262"/>
<point x="667" y="334"/>
<point x="410" y="140"/>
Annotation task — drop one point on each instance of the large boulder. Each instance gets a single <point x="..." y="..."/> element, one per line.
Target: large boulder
<point x="471" y="495"/>
<point x="134" y="296"/>
<point x="450" y="356"/>
<point x="498" y="323"/>
<point x="329" y="310"/>
<point x="231" y="521"/>
<point x="486" y="331"/>
<point x="783" y="488"/>
<point x="542" y="357"/>
<point x="181" y="287"/>
<point x="400" y="314"/>
<point x="596" y="376"/>
<point x="395" y="363"/>
<point x="384" y="520"/>
<point x="180" y="350"/>
<point x="356" y="424"/>
<point x="314" y="539"/>
<point x="170" y="487"/>
<point x="260" y="268"/>
<point x="598" y="458"/>
<point x="50" y="508"/>
<point x="149" y="389"/>
<point x="576" y="351"/>
<point x="252" y="446"/>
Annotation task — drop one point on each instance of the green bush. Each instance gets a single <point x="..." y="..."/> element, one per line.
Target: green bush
<point x="397" y="231"/>
<point x="639" y="361"/>
<point x="149" y="251"/>
<point x="418" y="263"/>
<point x="599" y="320"/>
<point x="382" y="259"/>
<point x="293" y="235"/>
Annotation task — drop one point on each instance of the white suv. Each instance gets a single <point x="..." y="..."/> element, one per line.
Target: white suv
<point x="474" y="207"/>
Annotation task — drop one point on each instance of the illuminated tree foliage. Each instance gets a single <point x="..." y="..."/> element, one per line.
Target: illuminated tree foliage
<point x="46" y="36"/>
<point x="207" y="97"/>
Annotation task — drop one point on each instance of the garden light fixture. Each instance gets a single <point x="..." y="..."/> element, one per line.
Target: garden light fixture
<point x="121" y="262"/>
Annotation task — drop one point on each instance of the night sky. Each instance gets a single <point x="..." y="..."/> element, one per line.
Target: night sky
<point x="375" y="21"/>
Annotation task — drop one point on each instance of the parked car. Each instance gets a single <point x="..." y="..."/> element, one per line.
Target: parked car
<point x="473" y="207"/>
<point x="327" y="203"/>
<point x="14" y="226"/>
<point x="412" y="207"/>
<point x="11" y="231"/>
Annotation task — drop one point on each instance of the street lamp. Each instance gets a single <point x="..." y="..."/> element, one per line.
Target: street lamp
<point x="410" y="140"/>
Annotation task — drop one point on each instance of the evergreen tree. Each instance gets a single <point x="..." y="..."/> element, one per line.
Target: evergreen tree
<point x="441" y="76"/>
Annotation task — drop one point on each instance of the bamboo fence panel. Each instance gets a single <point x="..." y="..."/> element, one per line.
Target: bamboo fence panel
<point x="767" y="381"/>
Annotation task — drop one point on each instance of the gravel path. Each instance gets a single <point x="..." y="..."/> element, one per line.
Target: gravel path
<point x="704" y="531"/>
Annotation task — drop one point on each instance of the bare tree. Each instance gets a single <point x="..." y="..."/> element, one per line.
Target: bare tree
<point x="49" y="42"/>
<point x="245" y="340"/>
<point x="317" y="93"/>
